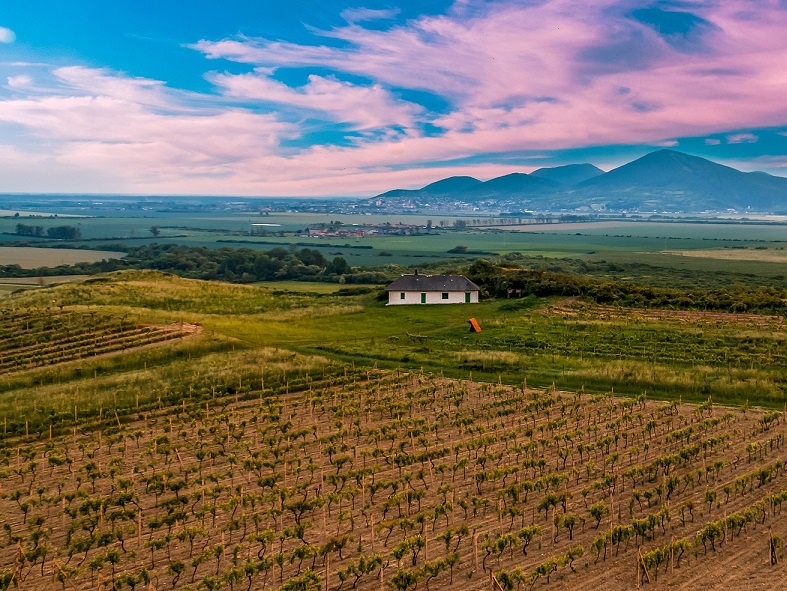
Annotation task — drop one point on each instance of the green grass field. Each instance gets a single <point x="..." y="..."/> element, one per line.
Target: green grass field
<point x="310" y="328"/>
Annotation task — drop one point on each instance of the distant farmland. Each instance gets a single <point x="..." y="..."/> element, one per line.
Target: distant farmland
<point x="32" y="258"/>
<point x="735" y="254"/>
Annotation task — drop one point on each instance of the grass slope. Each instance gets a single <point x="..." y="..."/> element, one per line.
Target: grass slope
<point x="250" y="330"/>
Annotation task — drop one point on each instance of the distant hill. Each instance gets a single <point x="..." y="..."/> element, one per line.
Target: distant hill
<point x="570" y="174"/>
<point x="664" y="180"/>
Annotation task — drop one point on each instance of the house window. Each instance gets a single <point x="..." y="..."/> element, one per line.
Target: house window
<point x="445" y="295"/>
<point x="423" y="298"/>
<point x="467" y="297"/>
<point x="401" y="296"/>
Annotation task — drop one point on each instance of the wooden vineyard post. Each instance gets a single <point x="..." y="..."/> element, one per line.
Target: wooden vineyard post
<point x="641" y="561"/>
<point x="611" y="513"/>
<point x="475" y="552"/>
<point x="371" y="521"/>
<point x="772" y="546"/>
<point x="327" y="567"/>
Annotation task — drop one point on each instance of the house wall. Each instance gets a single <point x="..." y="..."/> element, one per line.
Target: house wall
<point x="432" y="297"/>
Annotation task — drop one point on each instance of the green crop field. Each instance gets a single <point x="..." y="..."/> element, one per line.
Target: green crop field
<point x="619" y="241"/>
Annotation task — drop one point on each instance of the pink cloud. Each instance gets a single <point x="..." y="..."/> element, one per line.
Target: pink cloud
<point x="534" y="51"/>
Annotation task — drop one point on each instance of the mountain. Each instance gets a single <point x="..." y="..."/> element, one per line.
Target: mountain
<point x="511" y="186"/>
<point x="665" y="180"/>
<point x="446" y="187"/>
<point x="670" y="180"/>
<point x="570" y="174"/>
<point x="467" y="188"/>
<point x="452" y="184"/>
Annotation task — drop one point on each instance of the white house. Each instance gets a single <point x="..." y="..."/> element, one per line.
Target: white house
<point x="432" y="289"/>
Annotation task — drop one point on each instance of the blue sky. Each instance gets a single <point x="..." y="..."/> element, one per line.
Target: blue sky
<point x="340" y="98"/>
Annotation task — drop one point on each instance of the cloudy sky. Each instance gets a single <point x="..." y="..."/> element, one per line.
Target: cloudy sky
<point x="322" y="97"/>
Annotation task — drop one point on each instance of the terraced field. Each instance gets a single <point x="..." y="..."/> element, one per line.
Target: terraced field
<point x="32" y="338"/>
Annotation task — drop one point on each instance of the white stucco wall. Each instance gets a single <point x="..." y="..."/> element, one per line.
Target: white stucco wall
<point x="432" y="297"/>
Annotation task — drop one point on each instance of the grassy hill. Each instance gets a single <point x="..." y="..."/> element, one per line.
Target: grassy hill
<point x="287" y="331"/>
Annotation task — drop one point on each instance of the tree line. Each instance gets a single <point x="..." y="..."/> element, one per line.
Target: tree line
<point x="236" y="265"/>
<point x="55" y="232"/>
<point x="496" y="281"/>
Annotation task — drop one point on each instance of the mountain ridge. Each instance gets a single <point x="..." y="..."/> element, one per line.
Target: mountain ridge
<point x="664" y="180"/>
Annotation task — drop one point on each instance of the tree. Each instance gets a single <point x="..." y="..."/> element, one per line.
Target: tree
<point x="338" y="266"/>
<point x="155" y="230"/>
<point x="64" y="233"/>
<point x="598" y="511"/>
<point x="25" y="230"/>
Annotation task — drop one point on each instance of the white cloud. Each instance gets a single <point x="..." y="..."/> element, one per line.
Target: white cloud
<point x="21" y="81"/>
<point x="7" y="35"/>
<point x="137" y="132"/>
<point x="712" y="141"/>
<point x="742" y="138"/>
<point x="361" y="107"/>
<point x="358" y="15"/>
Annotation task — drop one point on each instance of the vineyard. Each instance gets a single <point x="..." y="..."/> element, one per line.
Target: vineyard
<point x="368" y="479"/>
<point x="32" y="338"/>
